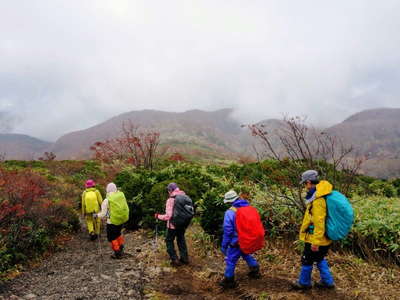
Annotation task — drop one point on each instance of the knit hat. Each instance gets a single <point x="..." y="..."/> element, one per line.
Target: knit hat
<point x="172" y="187"/>
<point x="230" y="196"/>
<point x="90" y="183"/>
<point x="111" y="188"/>
<point x="309" y="175"/>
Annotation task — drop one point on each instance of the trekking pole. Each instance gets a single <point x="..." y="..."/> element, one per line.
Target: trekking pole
<point x="98" y="244"/>
<point x="156" y="244"/>
<point x="156" y="233"/>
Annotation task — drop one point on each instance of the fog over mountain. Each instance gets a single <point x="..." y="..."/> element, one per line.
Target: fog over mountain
<point x="68" y="65"/>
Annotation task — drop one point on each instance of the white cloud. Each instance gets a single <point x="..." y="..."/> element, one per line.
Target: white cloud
<point x="66" y="65"/>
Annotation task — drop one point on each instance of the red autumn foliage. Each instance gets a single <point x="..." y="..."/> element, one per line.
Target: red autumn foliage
<point x="138" y="148"/>
<point x="21" y="187"/>
<point x="177" y="157"/>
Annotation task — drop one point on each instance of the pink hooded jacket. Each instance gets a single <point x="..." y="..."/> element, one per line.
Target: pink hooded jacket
<point x="169" y="208"/>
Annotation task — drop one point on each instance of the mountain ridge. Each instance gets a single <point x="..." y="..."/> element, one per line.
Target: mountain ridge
<point x="375" y="133"/>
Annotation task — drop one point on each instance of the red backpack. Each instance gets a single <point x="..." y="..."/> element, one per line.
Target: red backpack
<point x="250" y="229"/>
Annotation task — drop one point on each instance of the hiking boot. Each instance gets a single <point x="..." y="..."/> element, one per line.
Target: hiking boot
<point x="299" y="287"/>
<point x="184" y="261"/>
<point x="254" y="272"/>
<point x="321" y="285"/>
<point x="117" y="255"/>
<point x="228" y="283"/>
<point x="121" y="249"/>
<point x="176" y="263"/>
<point x="92" y="236"/>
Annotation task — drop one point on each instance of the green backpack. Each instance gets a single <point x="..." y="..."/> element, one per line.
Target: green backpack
<point x="119" y="210"/>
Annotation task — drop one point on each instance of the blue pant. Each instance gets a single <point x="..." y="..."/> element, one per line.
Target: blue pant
<point x="232" y="256"/>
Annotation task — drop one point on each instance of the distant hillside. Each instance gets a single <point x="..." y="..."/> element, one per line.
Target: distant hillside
<point x="19" y="146"/>
<point x="204" y="131"/>
<point x="375" y="133"/>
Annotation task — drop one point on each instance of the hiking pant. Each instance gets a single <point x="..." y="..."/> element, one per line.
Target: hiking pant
<point x="93" y="225"/>
<point x="232" y="257"/>
<point x="115" y="237"/>
<point x="179" y="234"/>
<point x="308" y="259"/>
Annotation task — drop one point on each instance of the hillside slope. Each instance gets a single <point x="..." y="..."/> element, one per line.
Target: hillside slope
<point x="19" y="146"/>
<point x="374" y="133"/>
<point x="211" y="131"/>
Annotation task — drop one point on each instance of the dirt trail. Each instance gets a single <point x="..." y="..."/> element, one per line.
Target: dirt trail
<point x="80" y="272"/>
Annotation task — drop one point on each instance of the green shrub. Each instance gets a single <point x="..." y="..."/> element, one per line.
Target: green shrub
<point x="382" y="188"/>
<point x="376" y="231"/>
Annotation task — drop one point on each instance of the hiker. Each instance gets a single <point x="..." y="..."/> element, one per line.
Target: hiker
<point x="116" y="210"/>
<point x="178" y="214"/>
<point x="312" y="232"/>
<point x="231" y="247"/>
<point x="91" y="203"/>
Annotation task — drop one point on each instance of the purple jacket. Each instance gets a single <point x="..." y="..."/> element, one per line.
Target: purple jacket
<point x="230" y="236"/>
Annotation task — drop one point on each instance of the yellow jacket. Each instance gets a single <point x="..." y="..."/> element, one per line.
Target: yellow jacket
<point x="316" y="217"/>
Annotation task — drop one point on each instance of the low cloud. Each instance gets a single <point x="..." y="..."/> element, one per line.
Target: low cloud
<point x="67" y="65"/>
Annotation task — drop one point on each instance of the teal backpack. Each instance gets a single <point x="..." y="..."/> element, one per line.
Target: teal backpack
<point x="340" y="216"/>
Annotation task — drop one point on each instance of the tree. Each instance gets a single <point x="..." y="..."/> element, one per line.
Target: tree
<point x="48" y="156"/>
<point x="134" y="146"/>
<point x="298" y="147"/>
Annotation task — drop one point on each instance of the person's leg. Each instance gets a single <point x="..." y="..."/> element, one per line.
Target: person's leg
<point x="97" y="226"/>
<point x="121" y="242"/>
<point x="324" y="270"/>
<point x="307" y="261"/>
<point x="183" y="252"/>
<point x="89" y="224"/>
<point x="253" y="265"/>
<point x="113" y="232"/>
<point x="231" y="259"/>
<point x="169" y="241"/>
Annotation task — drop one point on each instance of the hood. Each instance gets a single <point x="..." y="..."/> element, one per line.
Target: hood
<point x="323" y="188"/>
<point x="176" y="193"/>
<point x="92" y="189"/>
<point x="240" y="203"/>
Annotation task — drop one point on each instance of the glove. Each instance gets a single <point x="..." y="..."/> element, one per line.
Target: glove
<point x="156" y="216"/>
<point x="94" y="216"/>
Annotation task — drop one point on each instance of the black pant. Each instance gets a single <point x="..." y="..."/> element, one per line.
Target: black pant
<point x="309" y="257"/>
<point x="113" y="232"/>
<point x="179" y="234"/>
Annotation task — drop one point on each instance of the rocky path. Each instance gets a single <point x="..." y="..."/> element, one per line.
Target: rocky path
<point x="86" y="271"/>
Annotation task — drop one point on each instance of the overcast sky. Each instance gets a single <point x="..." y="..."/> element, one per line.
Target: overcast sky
<point x="67" y="65"/>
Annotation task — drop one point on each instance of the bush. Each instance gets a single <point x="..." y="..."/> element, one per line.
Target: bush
<point x="28" y="220"/>
<point x="382" y="188"/>
<point x="376" y="231"/>
<point x="146" y="191"/>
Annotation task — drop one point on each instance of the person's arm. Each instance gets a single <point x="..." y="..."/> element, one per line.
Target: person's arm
<point x="169" y="210"/>
<point x="318" y="216"/>
<point x="306" y="222"/>
<point x="99" y="197"/>
<point x="104" y="209"/>
<point x="229" y="229"/>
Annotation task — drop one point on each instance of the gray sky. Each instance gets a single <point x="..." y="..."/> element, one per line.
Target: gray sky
<point x="67" y="65"/>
